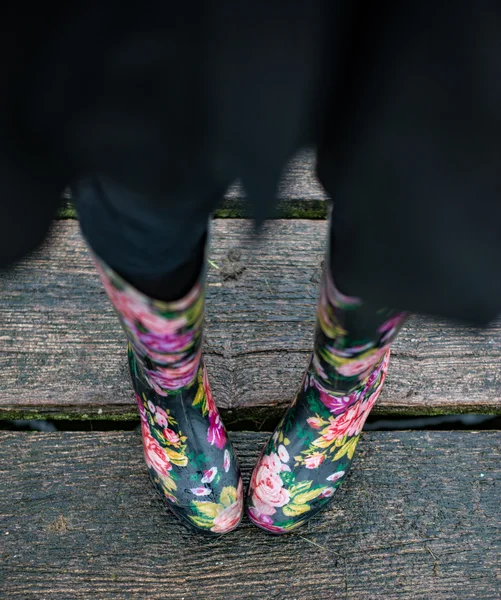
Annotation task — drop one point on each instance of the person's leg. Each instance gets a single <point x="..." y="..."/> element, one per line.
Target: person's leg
<point x="309" y="455"/>
<point x="151" y="262"/>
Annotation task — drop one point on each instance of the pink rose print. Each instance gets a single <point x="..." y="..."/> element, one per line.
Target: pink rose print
<point x="350" y="423"/>
<point x="165" y="343"/>
<point x="337" y="404"/>
<point x="154" y="454"/>
<point x="173" y="378"/>
<point x="216" y="434"/>
<point x="209" y="475"/>
<point x="211" y="405"/>
<point x="283" y="454"/>
<point x="165" y="356"/>
<point x="171" y="436"/>
<point x="263" y="520"/>
<point x="335" y="476"/>
<point x="157" y="324"/>
<point x="226" y="461"/>
<point x="314" y="461"/>
<point x="201" y="491"/>
<point x="363" y="366"/>
<point x="315" y="422"/>
<point x="123" y="302"/>
<point x="268" y="492"/>
<point x="327" y="493"/>
<point x="142" y="411"/>
<point x="134" y="308"/>
<point x="161" y="417"/>
<point x="381" y="369"/>
<point x="229" y="518"/>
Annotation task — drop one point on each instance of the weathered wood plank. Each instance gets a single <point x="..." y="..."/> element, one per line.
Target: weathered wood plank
<point x="299" y="195"/>
<point x="62" y="350"/>
<point x="418" y="518"/>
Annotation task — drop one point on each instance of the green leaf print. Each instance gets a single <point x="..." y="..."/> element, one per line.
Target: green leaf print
<point x="299" y="488"/>
<point x="228" y="496"/>
<point x="308" y="496"/>
<point x="300" y="431"/>
<point x="293" y="510"/>
<point x="315" y="405"/>
<point x="288" y="478"/>
<point x="205" y="522"/>
<point x="287" y="524"/>
<point x="310" y="436"/>
<point x="158" y="435"/>
<point x="208" y="509"/>
<point x="347" y="449"/>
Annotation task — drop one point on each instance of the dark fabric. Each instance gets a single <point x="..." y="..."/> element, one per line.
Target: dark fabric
<point x="173" y="284"/>
<point x="412" y="158"/>
<point x="137" y="237"/>
<point x="159" y="252"/>
<point x="402" y="100"/>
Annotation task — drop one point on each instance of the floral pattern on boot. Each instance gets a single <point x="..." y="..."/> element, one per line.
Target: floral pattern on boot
<point x="190" y="459"/>
<point x="310" y="453"/>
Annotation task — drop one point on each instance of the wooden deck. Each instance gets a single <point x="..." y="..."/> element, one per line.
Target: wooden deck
<point x="63" y="352"/>
<point x="419" y="516"/>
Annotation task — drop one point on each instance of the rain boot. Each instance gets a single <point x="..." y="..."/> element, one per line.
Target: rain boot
<point x="190" y="459"/>
<point x="310" y="453"/>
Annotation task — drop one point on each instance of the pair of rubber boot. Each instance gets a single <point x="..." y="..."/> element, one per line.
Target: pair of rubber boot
<point x="190" y="458"/>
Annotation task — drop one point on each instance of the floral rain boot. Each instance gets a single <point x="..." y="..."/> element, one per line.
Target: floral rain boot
<point x="310" y="453"/>
<point x="189" y="456"/>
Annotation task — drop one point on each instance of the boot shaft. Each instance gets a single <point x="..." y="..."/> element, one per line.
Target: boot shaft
<point x="350" y="339"/>
<point x="165" y="337"/>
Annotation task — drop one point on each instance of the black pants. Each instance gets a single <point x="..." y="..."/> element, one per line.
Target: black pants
<point x="142" y="238"/>
<point x="158" y="244"/>
<point x="177" y="100"/>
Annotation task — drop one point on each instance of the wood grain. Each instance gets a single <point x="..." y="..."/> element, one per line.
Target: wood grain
<point x="417" y="518"/>
<point x="299" y="194"/>
<point x="62" y="351"/>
